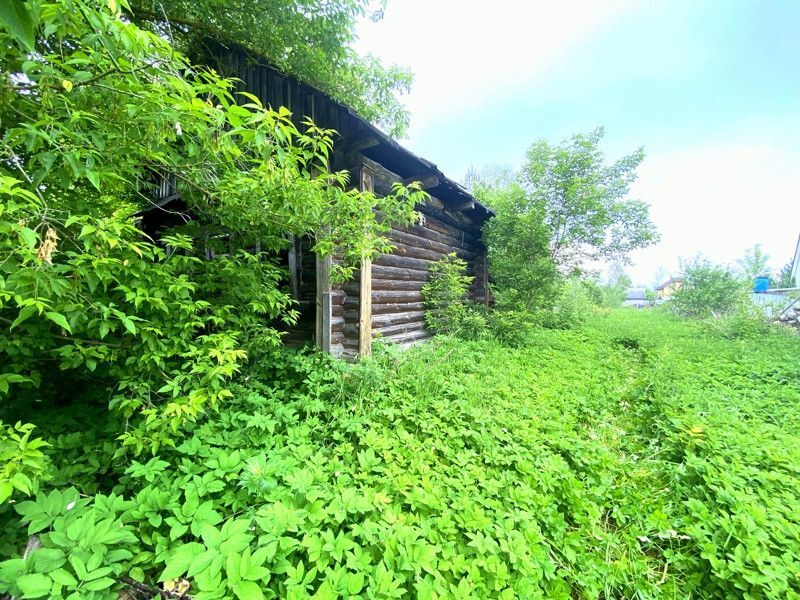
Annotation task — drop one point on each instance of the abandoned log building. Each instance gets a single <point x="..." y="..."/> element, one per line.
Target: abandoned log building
<point x="385" y="297"/>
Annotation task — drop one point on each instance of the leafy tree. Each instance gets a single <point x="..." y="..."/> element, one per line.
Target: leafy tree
<point x="566" y="207"/>
<point x="310" y="39"/>
<point x="518" y="237"/>
<point x="613" y="292"/>
<point x="754" y="263"/>
<point x="708" y="290"/>
<point x="583" y="202"/>
<point x="92" y="107"/>
<point x="784" y="277"/>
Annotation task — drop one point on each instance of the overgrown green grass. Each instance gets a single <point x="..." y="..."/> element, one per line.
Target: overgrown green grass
<point x="639" y="456"/>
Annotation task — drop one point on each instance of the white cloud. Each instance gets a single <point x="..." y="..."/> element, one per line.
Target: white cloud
<point x="463" y="53"/>
<point x="719" y="199"/>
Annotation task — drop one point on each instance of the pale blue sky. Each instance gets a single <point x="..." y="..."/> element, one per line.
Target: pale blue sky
<point x="711" y="89"/>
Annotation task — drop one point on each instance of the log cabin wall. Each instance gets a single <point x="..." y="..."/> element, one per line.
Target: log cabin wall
<point x="397" y="309"/>
<point x="451" y="220"/>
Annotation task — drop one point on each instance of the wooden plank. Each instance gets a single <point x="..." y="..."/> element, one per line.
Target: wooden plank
<point x="326" y="322"/>
<point x="485" y="278"/>
<point x="426" y="181"/>
<point x="294" y="270"/>
<point x="352" y="287"/>
<point x="420" y="241"/>
<point x="398" y="274"/>
<point x="392" y="308"/>
<point x="390" y="330"/>
<point x="397" y="328"/>
<point x="365" y="309"/>
<point x="386" y="297"/>
<point x="390" y="260"/>
<point x="385" y="320"/>
<point x="453" y="239"/>
<point x="366" y="184"/>
<point x="407" y="337"/>
<point x="401" y="249"/>
<point x="323" y="324"/>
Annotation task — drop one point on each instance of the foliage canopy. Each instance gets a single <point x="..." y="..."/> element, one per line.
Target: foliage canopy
<point x="566" y="208"/>
<point x="310" y="39"/>
<point x="708" y="290"/>
<point x="93" y="108"/>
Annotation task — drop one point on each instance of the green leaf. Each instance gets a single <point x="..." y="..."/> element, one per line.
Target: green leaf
<point x="63" y="577"/>
<point x="18" y="19"/>
<point x="180" y="561"/>
<point x="355" y="582"/>
<point x="59" y="320"/>
<point x="29" y="236"/>
<point x="94" y="178"/>
<point x="99" y="584"/>
<point x="248" y="590"/>
<point x="24" y="313"/>
<point x="34" y="585"/>
<point x="129" y="325"/>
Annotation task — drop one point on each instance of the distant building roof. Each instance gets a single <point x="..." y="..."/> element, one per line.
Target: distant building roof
<point x="636" y="294"/>
<point x="668" y="282"/>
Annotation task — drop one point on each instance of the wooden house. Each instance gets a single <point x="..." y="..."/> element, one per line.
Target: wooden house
<point x="385" y="297"/>
<point x="668" y="288"/>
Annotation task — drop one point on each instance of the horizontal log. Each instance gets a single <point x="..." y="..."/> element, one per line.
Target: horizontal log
<point x="437" y="236"/>
<point x="387" y="284"/>
<point x="387" y="319"/>
<point x="410" y="336"/>
<point x="398" y="274"/>
<point x="454" y="220"/>
<point x="404" y="262"/>
<point x="390" y="330"/>
<point x="419" y="241"/>
<point x="387" y="308"/>
<point x="337" y="323"/>
<point x="387" y="297"/>
<point x="402" y="249"/>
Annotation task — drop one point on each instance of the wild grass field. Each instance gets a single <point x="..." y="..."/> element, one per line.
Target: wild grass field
<point x="637" y="456"/>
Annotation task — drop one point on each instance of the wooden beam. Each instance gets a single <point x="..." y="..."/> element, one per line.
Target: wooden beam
<point x="294" y="263"/>
<point x="357" y="142"/>
<point x="365" y="310"/>
<point x="461" y="205"/>
<point x="365" y="292"/>
<point x="426" y="182"/>
<point x="325" y="346"/>
<point x="323" y="325"/>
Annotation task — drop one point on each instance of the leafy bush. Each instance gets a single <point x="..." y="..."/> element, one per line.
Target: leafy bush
<point x="708" y="290"/>
<point x="93" y="110"/>
<point x="447" y="308"/>
<point x="638" y="455"/>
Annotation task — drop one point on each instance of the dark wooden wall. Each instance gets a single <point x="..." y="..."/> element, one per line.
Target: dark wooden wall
<point x="397" y="312"/>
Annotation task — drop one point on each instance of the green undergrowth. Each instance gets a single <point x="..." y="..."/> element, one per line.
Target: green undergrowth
<point x="638" y="456"/>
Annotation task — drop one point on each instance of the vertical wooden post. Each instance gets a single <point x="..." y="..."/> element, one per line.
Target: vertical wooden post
<point x="327" y="311"/>
<point x="365" y="289"/>
<point x="365" y="309"/>
<point x="294" y="266"/>
<point x="486" y="278"/>
<point x="323" y="330"/>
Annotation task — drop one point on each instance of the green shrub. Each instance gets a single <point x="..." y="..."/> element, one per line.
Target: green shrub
<point x="708" y="290"/>
<point x="571" y="306"/>
<point x="637" y="455"/>
<point x="447" y="308"/>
